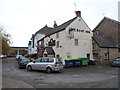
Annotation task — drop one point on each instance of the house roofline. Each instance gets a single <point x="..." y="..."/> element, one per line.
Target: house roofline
<point x="102" y="46"/>
<point x="103" y="20"/>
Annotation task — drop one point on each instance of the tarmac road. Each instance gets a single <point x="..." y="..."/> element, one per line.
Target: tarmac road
<point x="77" y="77"/>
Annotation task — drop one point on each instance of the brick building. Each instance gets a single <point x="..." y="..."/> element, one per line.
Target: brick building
<point x="106" y="41"/>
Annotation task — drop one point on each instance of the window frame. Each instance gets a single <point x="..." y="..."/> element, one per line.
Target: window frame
<point x="57" y="44"/>
<point x="76" y="42"/>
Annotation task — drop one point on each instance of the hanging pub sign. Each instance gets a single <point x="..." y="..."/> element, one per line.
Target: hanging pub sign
<point x="51" y="42"/>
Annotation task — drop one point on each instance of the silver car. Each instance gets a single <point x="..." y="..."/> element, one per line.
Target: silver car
<point x="48" y="64"/>
<point x="116" y="62"/>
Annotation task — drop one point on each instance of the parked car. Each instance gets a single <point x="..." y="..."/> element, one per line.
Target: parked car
<point x="91" y="62"/>
<point x="23" y="62"/>
<point x="18" y="56"/>
<point x="2" y="56"/>
<point x="48" y="64"/>
<point x="21" y="58"/>
<point x="116" y="62"/>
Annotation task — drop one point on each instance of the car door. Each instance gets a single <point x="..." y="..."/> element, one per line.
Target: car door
<point x="36" y="64"/>
<point x="44" y="63"/>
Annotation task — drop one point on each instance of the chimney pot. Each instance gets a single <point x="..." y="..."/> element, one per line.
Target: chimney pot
<point x="78" y="13"/>
<point x="55" y="24"/>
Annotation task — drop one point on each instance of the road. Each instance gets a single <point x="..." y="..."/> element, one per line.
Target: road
<point x="76" y="77"/>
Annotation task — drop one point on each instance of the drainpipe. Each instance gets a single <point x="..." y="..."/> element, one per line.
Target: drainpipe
<point x="108" y="55"/>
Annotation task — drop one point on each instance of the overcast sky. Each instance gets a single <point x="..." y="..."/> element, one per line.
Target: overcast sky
<point x="22" y="18"/>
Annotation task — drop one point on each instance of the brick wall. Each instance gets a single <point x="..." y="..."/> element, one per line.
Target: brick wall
<point x="108" y="28"/>
<point x="101" y="52"/>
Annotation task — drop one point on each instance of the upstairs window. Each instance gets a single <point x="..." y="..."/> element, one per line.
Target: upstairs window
<point x="87" y="31"/>
<point x="97" y="32"/>
<point x="119" y="50"/>
<point x="76" y="41"/>
<point x="82" y="30"/>
<point x="71" y="33"/>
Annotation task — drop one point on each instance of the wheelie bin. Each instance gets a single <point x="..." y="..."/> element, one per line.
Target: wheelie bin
<point x="84" y="61"/>
<point x="69" y="63"/>
<point x="77" y="62"/>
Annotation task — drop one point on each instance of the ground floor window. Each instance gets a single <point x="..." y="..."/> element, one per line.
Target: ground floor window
<point x="106" y="56"/>
<point x="119" y="50"/>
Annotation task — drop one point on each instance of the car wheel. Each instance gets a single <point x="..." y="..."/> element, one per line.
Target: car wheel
<point x="20" y="67"/>
<point x="49" y="70"/>
<point x="29" y="68"/>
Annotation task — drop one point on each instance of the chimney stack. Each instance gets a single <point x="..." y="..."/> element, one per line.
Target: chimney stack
<point x="78" y="13"/>
<point x="46" y="30"/>
<point x="55" y="24"/>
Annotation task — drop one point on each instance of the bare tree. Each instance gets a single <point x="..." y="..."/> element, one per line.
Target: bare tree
<point x="4" y="42"/>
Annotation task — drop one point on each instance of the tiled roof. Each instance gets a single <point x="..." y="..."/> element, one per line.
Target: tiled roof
<point x="105" y="42"/>
<point x="62" y="26"/>
<point x="42" y="30"/>
<point x="49" y="50"/>
<point x="106" y="18"/>
<point x="58" y="28"/>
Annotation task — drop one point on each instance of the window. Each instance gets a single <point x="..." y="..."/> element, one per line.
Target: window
<point x="57" y="43"/>
<point x="77" y="30"/>
<point x="119" y="50"/>
<point x="82" y="30"/>
<point x="57" y="35"/>
<point x="44" y="60"/>
<point x="87" y="31"/>
<point x="97" y="32"/>
<point x="71" y="32"/>
<point x="37" y="60"/>
<point x="106" y="56"/>
<point x="76" y="41"/>
<point x="51" y="60"/>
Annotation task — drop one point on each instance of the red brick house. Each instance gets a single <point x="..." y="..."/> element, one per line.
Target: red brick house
<point x="106" y="41"/>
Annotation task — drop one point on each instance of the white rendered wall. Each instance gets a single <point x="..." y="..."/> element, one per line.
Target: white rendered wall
<point x="67" y="45"/>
